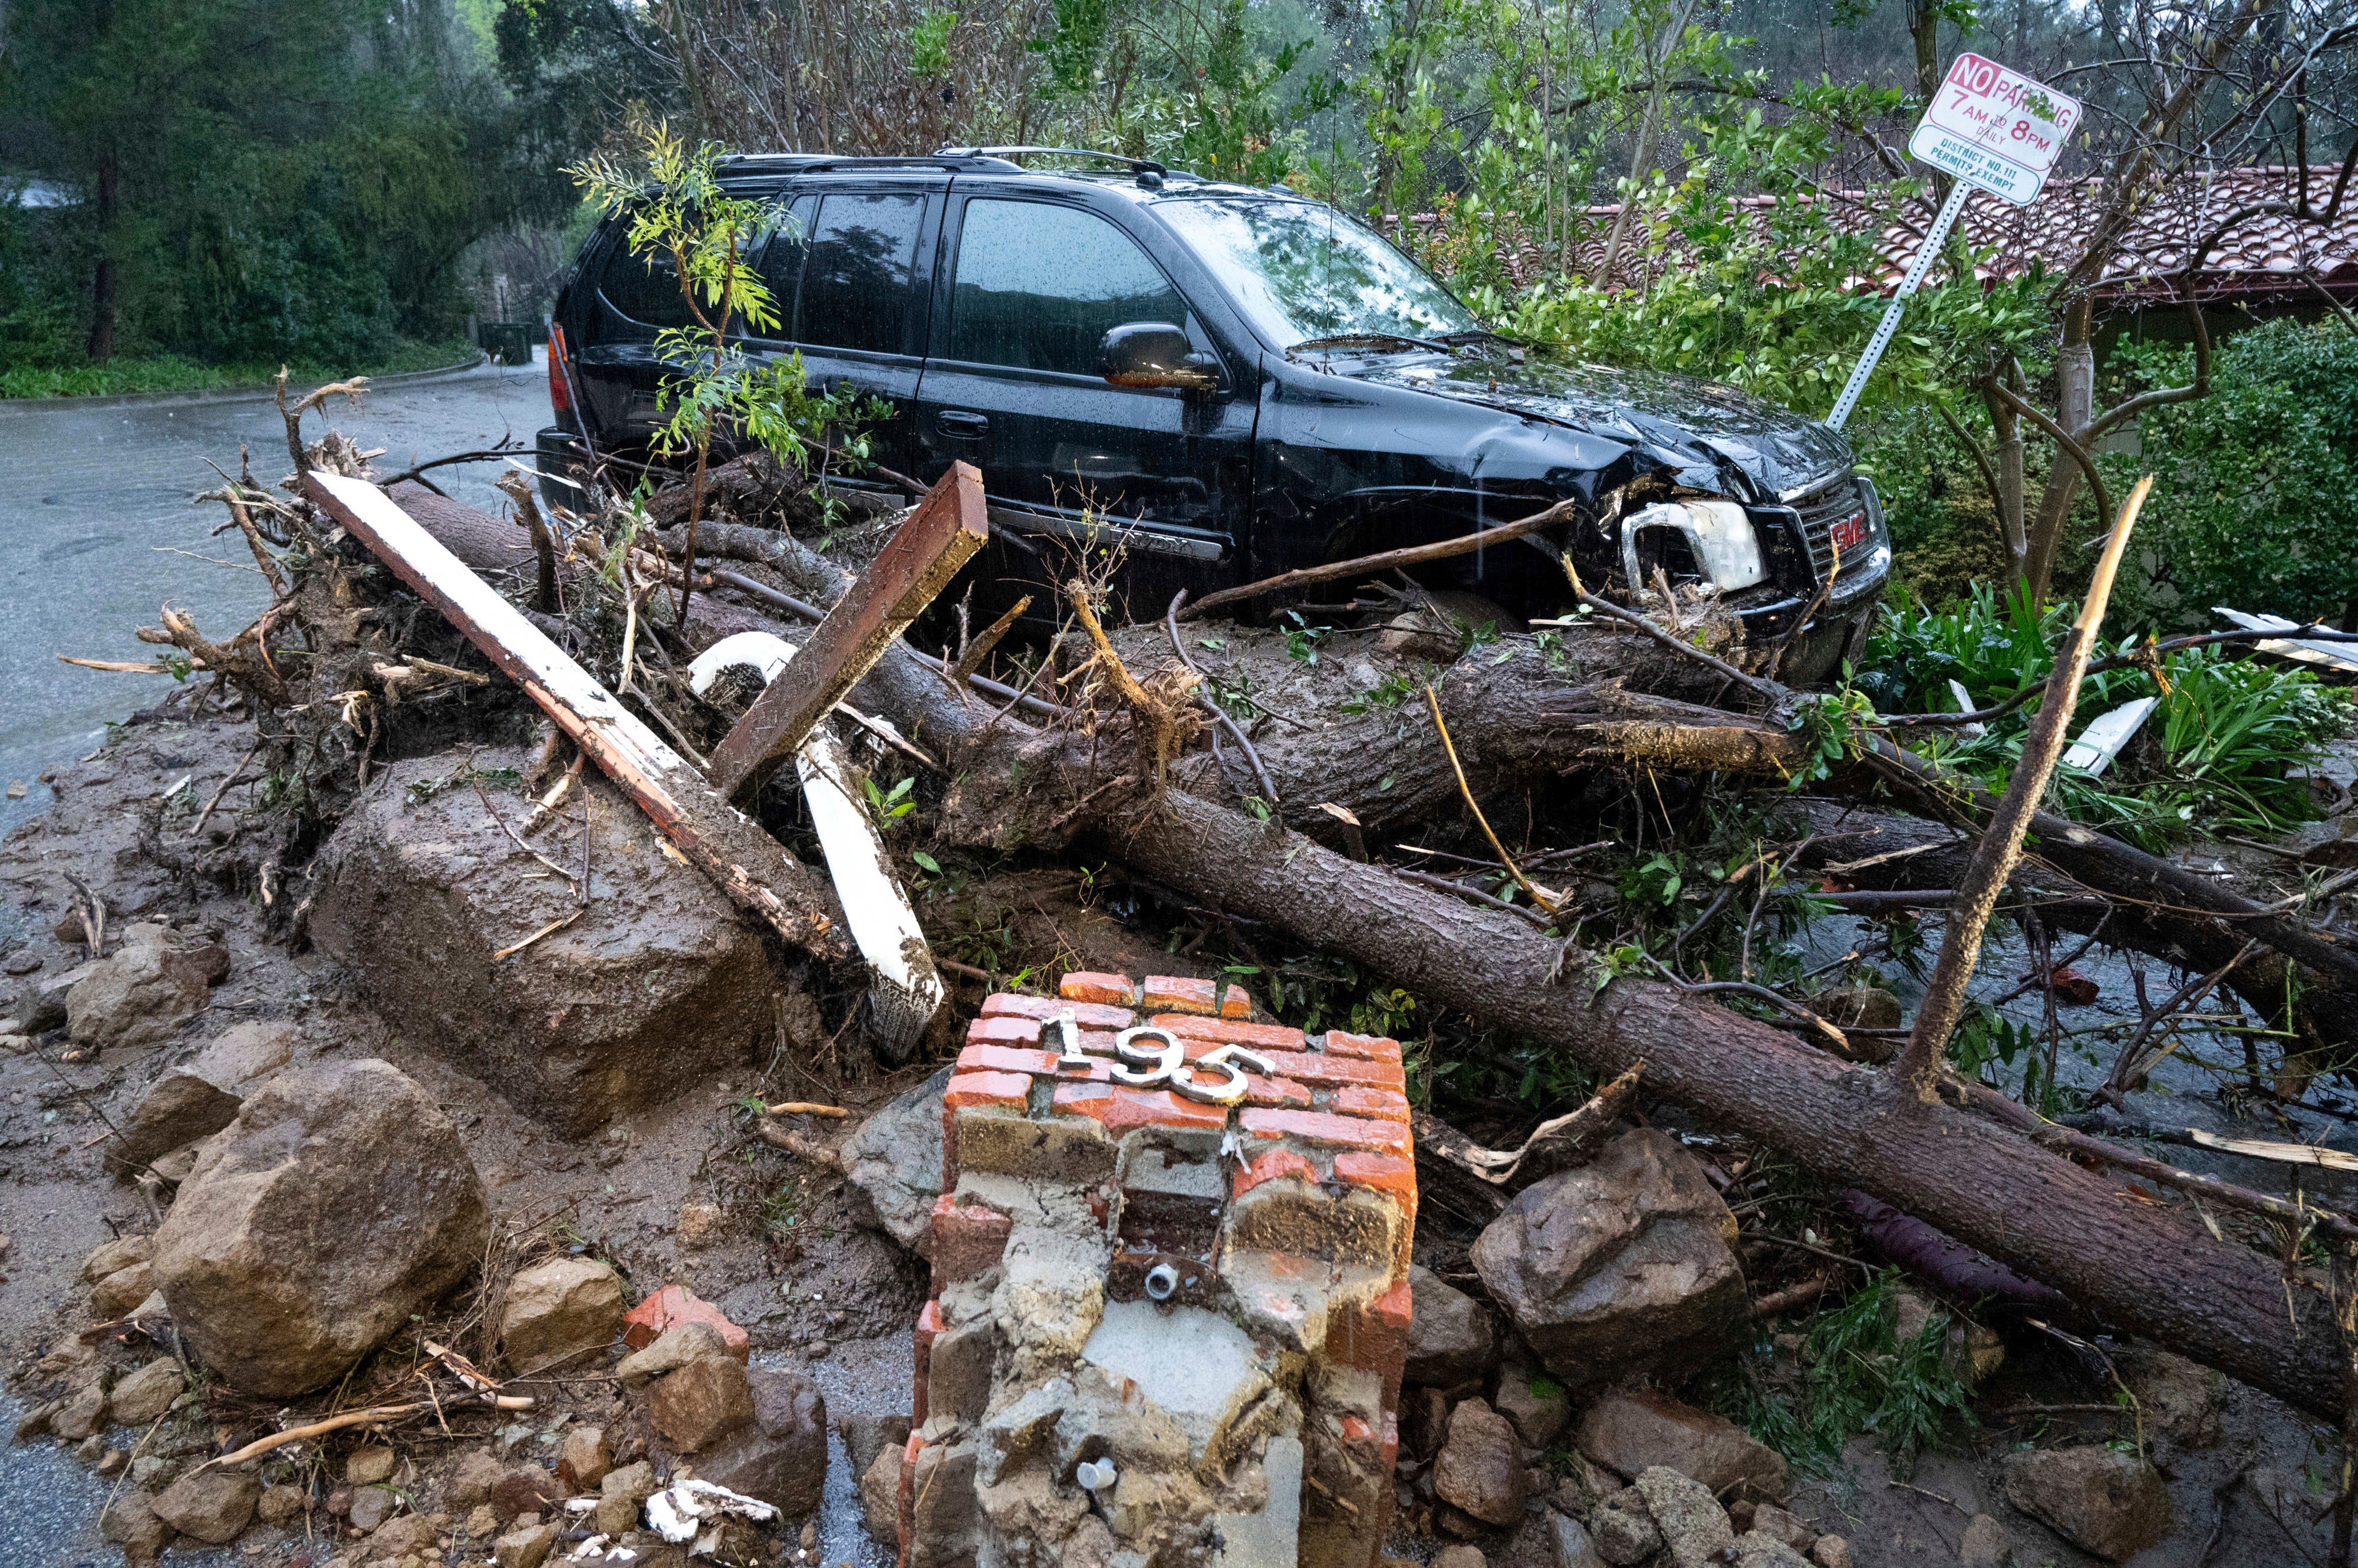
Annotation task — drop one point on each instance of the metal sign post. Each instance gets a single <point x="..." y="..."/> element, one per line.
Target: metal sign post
<point x="1992" y="129"/>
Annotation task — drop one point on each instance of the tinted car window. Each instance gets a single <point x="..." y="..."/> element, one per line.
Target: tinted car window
<point x="1304" y="272"/>
<point x="1038" y="285"/>
<point x="855" y="291"/>
<point x="643" y="287"/>
<point x="781" y="261"/>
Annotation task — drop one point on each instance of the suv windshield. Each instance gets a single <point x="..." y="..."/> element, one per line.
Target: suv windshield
<point x="1304" y="271"/>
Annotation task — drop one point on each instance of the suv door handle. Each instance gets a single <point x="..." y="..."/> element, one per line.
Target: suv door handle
<point x="961" y="424"/>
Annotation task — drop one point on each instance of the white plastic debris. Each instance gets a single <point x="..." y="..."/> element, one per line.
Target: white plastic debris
<point x="2102" y="741"/>
<point x="1964" y="705"/>
<point x="1094" y="1474"/>
<point x="682" y="1508"/>
<point x="596" y="1550"/>
<point x="909" y="988"/>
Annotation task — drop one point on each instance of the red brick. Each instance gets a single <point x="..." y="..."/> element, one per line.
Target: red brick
<point x="1236" y="1003"/>
<point x="1278" y="1094"/>
<point x="1003" y="1031"/>
<point x="1357" y="1430"/>
<point x="1229" y="1032"/>
<point x="1088" y="1014"/>
<point x="1277" y="1162"/>
<point x="1330" y="1071"/>
<point x="1176" y="993"/>
<point x="1013" y="1090"/>
<point x="909" y="1491"/>
<point x="1385" y="1173"/>
<point x="1372" y="1046"/>
<point x="1356" y="1100"/>
<point x="1324" y="1128"/>
<point x="929" y="1324"/>
<point x="969" y="1238"/>
<point x="1374" y="1336"/>
<point x="1114" y="990"/>
<point x="982" y="1058"/>
<point x="1123" y="1110"/>
<point x="671" y="1306"/>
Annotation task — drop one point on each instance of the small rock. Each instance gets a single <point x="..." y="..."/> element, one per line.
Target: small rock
<point x="1533" y="1402"/>
<point x="147" y="1394"/>
<point x="83" y="1414"/>
<point x="1692" y="1523"/>
<point x="210" y="1505"/>
<point x="1858" y="1007"/>
<point x="372" y="1506"/>
<point x="180" y="1109"/>
<point x="623" y="1491"/>
<point x="1831" y="1551"/>
<point x="1584" y="1486"/>
<point x="558" y="1310"/>
<point x="879" y="1495"/>
<point x="686" y="1342"/>
<point x="148" y="1470"/>
<point x="2181" y="1400"/>
<point x="279" y="1504"/>
<point x="1776" y="1523"/>
<point x="1630" y="1430"/>
<point x="1480" y="1468"/>
<point x="867" y="1433"/>
<point x="700" y="1224"/>
<point x="117" y="1293"/>
<point x="397" y="1538"/>
<point x="1984" y="1544"/>
<point x="482" y="1524"/>
<point x="525" y="1548"/>
<point x="1459" y="1557"/>
<point x="35" y="1421"/>
<point x="112" y="1463"/>
<point x="141" y="994"/>
<point x="893" y="1164"/>
<point x="1450" y="1342"/>
<point x="1623" y="1528"/>
<point x="472" y="1478"/>
<point x="523" y="1491"/>
<point x="367" y="1466"/>
<point x="120" y="1253"/>
<point x="90" y="1449"/>
<point x="1754" y="1549"/>
<point x="701" y="1403"/>
<point x="781" y="1459"/>
<point x="583" y="1458"/>
<point x="1570" y="1540"/>
<point x="130" y="1522"/>
<point x="673" y="1305"/>
<point x="2103" y="1501"/>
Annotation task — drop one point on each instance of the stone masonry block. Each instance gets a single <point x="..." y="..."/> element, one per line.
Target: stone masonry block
<point x="968" y="1240"/>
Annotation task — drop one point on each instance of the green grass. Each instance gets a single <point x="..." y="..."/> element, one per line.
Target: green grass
<point x="171" y="372"/>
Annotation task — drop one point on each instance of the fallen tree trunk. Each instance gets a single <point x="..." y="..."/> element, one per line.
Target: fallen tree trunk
<point x="2140" y="1266"/>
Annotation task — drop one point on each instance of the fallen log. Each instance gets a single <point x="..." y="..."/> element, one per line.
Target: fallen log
<point x="2141" y="1266"/>
<point x="747" y="865"/>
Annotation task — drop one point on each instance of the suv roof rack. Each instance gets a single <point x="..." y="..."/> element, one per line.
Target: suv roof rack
<point x="802" y="163"/>
<point x="1150" y="173"/>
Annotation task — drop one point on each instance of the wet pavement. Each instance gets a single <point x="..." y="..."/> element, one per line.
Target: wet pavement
<point x="97" y="531"/>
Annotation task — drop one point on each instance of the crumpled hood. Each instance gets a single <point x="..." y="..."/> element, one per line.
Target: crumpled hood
<point x="1717" y="437"/>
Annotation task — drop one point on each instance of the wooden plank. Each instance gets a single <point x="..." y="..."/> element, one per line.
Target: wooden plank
<point x="947" y="527"/>
<point x="746" y="863"/>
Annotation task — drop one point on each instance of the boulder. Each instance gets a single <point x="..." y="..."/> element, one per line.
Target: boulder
<point x="142" y="992"/>
<point x="1480" y="1468"/>
<point x="701" y="1403"/>
<point x="781" y="1458"/>
<point x="210" y="1505"/>
<point x="147" y="1394"/>
<point x="339" y="1203"/>
<point x="200" y="1097"/>
<point x="2111" y="1504"/>
<point x="558" y="1310"/>
<point x="1450" y="1342"/>
<point x="879" y="1495"/>
<point x="894" y="1164"/>
<point x="1694" y="1526"/>
<point x="867" y="1433"/>
<point x="1618" y="1266"/>
<point x="1623" y="1530"/>
<point x="130" y="1522"/>
<point x="1534" y="1403"/>
<point x="1630" y="1431"/>
<point x="658" y="982"/>
<point x="583" y="1458"/>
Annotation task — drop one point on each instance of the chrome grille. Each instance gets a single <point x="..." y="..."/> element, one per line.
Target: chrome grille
<point x="1831" y="500"/>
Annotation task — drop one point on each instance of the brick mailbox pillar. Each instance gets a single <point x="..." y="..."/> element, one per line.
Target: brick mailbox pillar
<point x="1170" y="1289"/>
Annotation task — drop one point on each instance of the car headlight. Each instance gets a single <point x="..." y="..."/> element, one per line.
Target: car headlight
<point x="1720" y="536"/>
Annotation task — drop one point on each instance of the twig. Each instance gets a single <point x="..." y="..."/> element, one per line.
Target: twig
<point x="1220" y="714"/>
<point x="373" y="1414"/>
<point x="1767" y="691"/>
<point x="1433" y="701"/>
<point x="1462" y="891"/>
<point x="2000" y="845"/>
<point x="1465" y="544"/>
<point x="206" y="814"/>
<point x="807" y="1107"/>
<point x="559" y="924"/>
<point x="978" y="649"/>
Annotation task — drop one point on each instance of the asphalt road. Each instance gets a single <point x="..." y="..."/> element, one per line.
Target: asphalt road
<point x="97" y="531"/>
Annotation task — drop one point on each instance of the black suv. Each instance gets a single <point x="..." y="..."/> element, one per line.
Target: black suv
<point x="1233" y="382"/>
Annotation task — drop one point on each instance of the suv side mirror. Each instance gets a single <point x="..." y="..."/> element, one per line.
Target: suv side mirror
<point x="1154" y="353"/>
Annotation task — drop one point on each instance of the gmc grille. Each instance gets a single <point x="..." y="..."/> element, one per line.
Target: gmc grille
<point x="1835" y="501"/>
